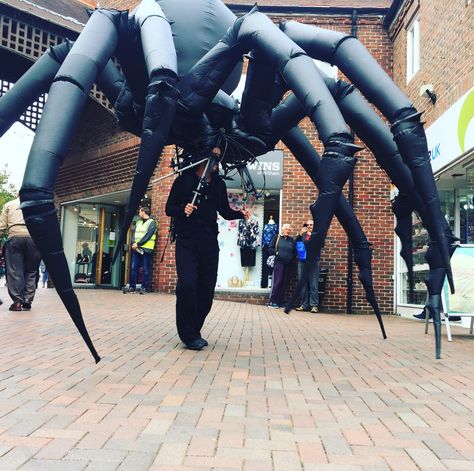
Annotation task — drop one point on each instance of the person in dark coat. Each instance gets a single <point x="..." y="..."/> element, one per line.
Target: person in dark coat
<point x="309" y="291"/>
<point x="197" y="250"/>
<point x="283" y="247"/>
<point x="22" y="257"/>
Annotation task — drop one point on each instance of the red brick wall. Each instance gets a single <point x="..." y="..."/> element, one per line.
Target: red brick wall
<point x="103" y="159"/>
<point x="446" y="53"/>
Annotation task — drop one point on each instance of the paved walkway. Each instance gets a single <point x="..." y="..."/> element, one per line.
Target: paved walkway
<point x="271" y="392"/>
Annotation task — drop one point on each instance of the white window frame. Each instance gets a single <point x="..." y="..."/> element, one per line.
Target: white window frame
<point x="413" y="48"/>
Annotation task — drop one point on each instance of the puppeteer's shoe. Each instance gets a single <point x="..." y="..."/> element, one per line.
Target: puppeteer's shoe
<point x="26" y="306"/>
<point x="314" y="309"/>
<point x="15" y="306"/>
<point x="301" y="308"/>
<point x="273" y="305"/>
<point x="128" y="289"/>
<point x="197" y="344"/>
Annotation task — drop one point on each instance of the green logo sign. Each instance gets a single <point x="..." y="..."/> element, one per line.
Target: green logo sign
<point x="465" y="117"/>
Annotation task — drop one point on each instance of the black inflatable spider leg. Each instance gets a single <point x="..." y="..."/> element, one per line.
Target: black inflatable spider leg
<point x="285" y="115"/>
<point x="403" y="209"/>
<point x="71" y="85"/>
<point x="370" y="128"/>
<point x="37" y="80"/>
<point x="434" y="283"/>
<point x="34" y="82"/>
<point x="302" y="76"/>
<point x="362" y="69"/>
<point x="112" y="82"/>
<point x="160" y="104"/>
<point x="309" y="159"/>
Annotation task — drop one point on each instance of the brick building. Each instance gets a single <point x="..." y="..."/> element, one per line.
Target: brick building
<point x="93" y="184"/>
<point x="433" y="48"/>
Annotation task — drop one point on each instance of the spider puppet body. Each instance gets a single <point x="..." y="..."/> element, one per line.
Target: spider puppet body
<point x="179" y="62"/>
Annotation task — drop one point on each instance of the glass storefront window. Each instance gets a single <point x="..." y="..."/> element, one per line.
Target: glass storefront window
<point x="86" y="243"/>
<point x="466" y="209"/>
<point x="246" y="269"/>
<point x="420" y="246"/>
<point x="90" y="232"/>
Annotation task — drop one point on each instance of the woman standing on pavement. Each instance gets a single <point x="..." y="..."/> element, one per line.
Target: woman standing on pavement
<point x="283" y="247"/>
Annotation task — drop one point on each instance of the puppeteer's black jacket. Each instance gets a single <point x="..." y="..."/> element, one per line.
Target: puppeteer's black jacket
<point x="203" y="221"/>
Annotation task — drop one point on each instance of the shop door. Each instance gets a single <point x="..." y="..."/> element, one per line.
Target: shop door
<point x="107" y="275"/>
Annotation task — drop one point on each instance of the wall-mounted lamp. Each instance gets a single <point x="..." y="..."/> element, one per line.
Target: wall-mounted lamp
<point x="427" y="89"/>
<point x="94" y="208"/>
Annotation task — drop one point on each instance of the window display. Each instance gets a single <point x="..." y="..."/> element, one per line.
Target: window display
<point x="243" y="245"/>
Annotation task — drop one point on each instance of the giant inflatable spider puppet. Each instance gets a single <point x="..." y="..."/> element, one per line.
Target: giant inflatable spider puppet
<point x="179" y="61"/>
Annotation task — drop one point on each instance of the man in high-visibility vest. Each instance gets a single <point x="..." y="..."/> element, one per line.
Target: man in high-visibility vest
<point x="143" y="243"/>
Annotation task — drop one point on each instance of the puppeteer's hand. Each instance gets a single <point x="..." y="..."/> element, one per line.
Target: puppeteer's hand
<point x="134" y="246"/>
<point x="246" y="214"/>
<point x="189" y="208"/>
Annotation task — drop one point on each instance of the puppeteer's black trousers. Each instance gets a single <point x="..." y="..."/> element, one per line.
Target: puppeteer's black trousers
<point x="196" y="264"/>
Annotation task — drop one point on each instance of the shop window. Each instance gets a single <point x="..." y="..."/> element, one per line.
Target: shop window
<point x="87" y="243"/>
<point x="413" y="48"/>
<point x="420" y="246"/>
<point x="246" y="269"/>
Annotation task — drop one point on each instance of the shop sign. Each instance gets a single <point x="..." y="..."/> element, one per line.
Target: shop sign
<point x="266" y="172"/>
<point x="452" y="134"/>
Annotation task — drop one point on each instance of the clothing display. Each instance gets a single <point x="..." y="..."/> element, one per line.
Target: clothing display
<point x="247" y="257"/>
<point x="247" y="240"/>
<point x="270" y="230"/>
<point x="248" y="234"/>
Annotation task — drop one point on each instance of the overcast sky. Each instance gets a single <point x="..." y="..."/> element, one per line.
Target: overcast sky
<point x="14" y="148"/>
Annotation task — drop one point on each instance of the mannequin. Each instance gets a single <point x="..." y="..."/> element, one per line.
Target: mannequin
<point x="269" y="231"/>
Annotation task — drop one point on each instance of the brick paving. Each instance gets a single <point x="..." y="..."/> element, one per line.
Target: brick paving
<point x="271" y="392"/>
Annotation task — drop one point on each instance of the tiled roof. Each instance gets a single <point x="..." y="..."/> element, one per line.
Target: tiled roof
<point x="68" y="13"/>
<point x="315" y="3"/>
<point x="73" y="13"/>
<point x="67" y="8"/>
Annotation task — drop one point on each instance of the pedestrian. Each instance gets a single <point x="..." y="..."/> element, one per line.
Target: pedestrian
<point x="309" y="291"/>
<point x="143" y="244"/>
<point x="283" y="247"/>
<point x="86" y="253"/>
<point x="22" y="257"/>
<point x="197" y="250"/>
<point x="44" y="274"/>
